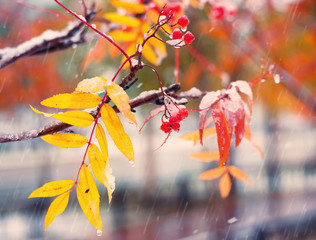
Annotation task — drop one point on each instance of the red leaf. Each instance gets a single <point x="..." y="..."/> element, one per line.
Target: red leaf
<point x="233" y="108"/>
<point x="240" y="128"/>
<point x="207" y="102"/>
<point x="223" y="135"/>
<point x="153" y="113"/>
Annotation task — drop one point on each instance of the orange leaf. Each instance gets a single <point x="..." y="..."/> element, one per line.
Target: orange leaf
<point x="120" y="99"/>
<point x="66" y="140"/>
<point x="225" y="185"/>
<point x="213" y="173"/>
<point x="116" y="131"/>
<point x="123" y="20"/>
<point x="72" y="100"/>
<point x="205" y="156"/>
<point x="238" y="174"/>
<point x="248" y="136"/>
<point x="195" y="137"/>
<point x="57" y="207"/>
<point x="96" y="53"/>
<point x="89" y="198"/>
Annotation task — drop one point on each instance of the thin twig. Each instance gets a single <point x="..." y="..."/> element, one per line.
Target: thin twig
<point x="48" y="41"/>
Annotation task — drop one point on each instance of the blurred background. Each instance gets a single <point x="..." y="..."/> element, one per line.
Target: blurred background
<point x="161" y="197"/>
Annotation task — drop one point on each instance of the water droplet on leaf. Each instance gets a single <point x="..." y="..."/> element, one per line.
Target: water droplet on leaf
<point x="277" y="78"/>
<point x="132" y="163"/>
<point x="99" y="233"/>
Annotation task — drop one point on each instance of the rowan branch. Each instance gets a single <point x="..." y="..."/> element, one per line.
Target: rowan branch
<point x="146" y="97"/>
<point x="48" y="41"/>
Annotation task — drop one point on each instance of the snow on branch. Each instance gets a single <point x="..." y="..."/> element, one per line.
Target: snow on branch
<point x="48" y="41"/>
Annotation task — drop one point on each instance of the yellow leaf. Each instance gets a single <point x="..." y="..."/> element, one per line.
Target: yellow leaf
<point x="99" y="166"/>
<point x="135" y="8"/>
<point x="66" y="140"/>
<point x="116" y="131"/>
<point x="104" y="149"/>
<point x="43" y="113"/>
<point x="72" y="100"/>
<point x="123" y="36"/>
<point x="120" y="99"/>
<point x="123" y="20"/>
<point x="213" y="173"/>
<point x="160" y="47"/>
<point x="89" y="198"/>
<point x="195" y="137"/>
<point x="99" y="132"/>
<point x="91" y="85"/>
<point x="57" y="207"/>
<point x="238" y="174"/>
<point x="75" y="118"/>
<point x="150" y="54"/>
<point x="205" y="156"/>
<point x="52" y="189"/>
<point x="225" y="185"/>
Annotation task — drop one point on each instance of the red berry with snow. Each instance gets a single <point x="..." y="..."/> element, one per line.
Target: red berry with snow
<point x="183" y="113"/>
<point x="175" y="126"/>
<point x="175" y="119"/>
<point x="188" y="38"/>
<point x="183" y="21"/>
<point x="165" y="126"/>
<point x="177" y="34"/>
<point x="218" y="12"/>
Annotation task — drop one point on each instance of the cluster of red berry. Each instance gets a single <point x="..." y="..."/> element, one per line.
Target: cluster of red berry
<point x="226" y="11"/>
<point x="174" y="121"/>
<point x="188" y="37"/>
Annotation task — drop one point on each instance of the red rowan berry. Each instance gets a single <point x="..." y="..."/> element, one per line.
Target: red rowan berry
<point x="175" y="119"/>
<point x="165" y="126"/>
<point x="175" y="126"/>
<point x="188" y="37"/>
<point x="218" y="12"/>
<point x="177" y="34"/>
<point x="183" y="21"/>
<point x="183" y="113"/>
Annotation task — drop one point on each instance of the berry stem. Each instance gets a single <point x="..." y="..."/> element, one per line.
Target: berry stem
<point x="176" y="70"/>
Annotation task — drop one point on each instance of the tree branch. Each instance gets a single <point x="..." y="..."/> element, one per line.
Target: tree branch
<point x="57" y="126"/>
<point x="48" y="41"/>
